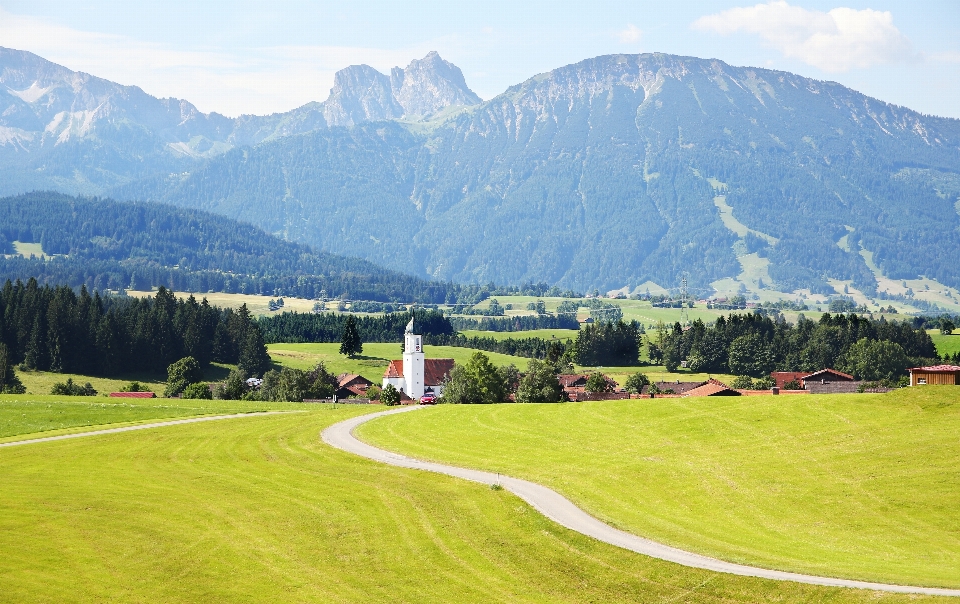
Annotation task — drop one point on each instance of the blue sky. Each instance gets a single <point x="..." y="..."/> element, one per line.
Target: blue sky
<point x="258" y="57"/>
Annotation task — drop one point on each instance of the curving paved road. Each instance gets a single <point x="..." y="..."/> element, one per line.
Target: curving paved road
<point x="172" y="422"/>
<point x="562" y="511"/>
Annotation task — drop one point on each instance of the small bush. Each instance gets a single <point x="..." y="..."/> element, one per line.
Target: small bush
<point x="742" y="382"/>
<point x="792" y="385"/>
<point x="390" y="396"/>
<point x="68" y="388"/>
<point x="197" y="390"/>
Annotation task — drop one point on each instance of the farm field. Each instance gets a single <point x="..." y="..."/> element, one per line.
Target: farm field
<point x="30" y="414"/>
<point x="854" y="486"/>
<point x="40" y="382"/>
<point x="258" y="305"/>
<point x="258" y="509"/>
<point x="945" y="343"/>
<point x="374" y="360"/>
<point x="547" y="334"/>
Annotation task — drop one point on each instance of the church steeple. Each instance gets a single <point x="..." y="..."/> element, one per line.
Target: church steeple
<point x="413" y="362"/>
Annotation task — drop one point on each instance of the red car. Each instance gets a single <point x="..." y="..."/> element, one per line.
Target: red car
<point x="428" y="399"/>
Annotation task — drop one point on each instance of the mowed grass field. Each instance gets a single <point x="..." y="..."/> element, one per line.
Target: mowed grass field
<point x="375" y="358"/>
<point x="50" y="415"/>
<point x="856" y="486"/>
<point x="258" y="509"/>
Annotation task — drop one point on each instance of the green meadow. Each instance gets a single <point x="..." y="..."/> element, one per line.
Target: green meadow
<point x="855" y="486"/>
<point x="949" y="344"/>
<point x="547" y="334"/>
<point x="258" y="509"/>
<point x="48" y="415"/>
<point x="374" y="360"/>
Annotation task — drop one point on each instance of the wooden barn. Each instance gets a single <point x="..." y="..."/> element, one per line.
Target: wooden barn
<point x="937" y="374"/>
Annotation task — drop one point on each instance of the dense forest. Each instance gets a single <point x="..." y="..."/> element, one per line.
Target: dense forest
<point x="57" y="329"/>
<point x="109" y="245"/>
<point x="328" y="327"/>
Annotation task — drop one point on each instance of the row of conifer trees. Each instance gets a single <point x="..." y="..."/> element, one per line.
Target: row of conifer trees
<point x="58" y="329"/>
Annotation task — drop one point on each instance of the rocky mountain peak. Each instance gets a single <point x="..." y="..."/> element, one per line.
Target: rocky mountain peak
<point x="361" y="93"/>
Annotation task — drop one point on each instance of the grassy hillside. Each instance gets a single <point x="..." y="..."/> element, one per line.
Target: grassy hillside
<point x="858" y="486"/>
<point x="259" y="510"/>
<point x="944" y="343"/>
<point x="374" y="360"/>
<point x="51" y="415"/>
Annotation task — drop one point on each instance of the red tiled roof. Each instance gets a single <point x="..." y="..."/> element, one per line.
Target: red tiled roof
<point x="394" y="370"/>
<point x="712" y="388"/>
<point x="570" y="380"/>
<point x="133" y="394"/>
<point x="677" y="387"/>
<point x="845" y="376"/>
<point x="352" y="379"/>
<point x="351" y="389"/>
<point x="435" y="371"/>
<point x="782" y="377"/>
<point x="937" y="369"/>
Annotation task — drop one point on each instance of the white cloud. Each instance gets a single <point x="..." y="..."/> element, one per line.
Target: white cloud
<point x="260" y="81"/>
<point x="630" y="35"/>
<point x="835" y="41"/>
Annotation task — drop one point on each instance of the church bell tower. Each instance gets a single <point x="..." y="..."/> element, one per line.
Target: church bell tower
<point x="413" y="362"/>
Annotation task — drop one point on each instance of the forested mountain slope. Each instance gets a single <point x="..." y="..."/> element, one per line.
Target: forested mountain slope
<point x="105" y="244"/>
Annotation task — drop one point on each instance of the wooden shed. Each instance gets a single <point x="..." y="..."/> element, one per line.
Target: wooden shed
<point x="937" y="374"/>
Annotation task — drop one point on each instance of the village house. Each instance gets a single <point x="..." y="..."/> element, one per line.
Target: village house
<point x="937" y="374"/>
<point x="352" y="385"/>
<point x="415" y="375"/>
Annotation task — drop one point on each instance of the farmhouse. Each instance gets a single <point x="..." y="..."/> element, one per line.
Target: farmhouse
<point x="351" y="384"/>
<point x="937" y="374"/>
<point x="782" y="378"/>
<point x="829" y="381"/>
<point x="414" y="375"/>
<point x="574" y="387"/>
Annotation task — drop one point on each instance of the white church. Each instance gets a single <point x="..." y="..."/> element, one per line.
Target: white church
<point x="415" y="375"/>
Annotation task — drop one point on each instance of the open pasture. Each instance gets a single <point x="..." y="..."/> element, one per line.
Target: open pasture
<point x="32" y="414"/>
<point x="547" y="334"/>
<point x="854" y="486"/>
<point x="374" y="360"/>
<point x="259" y="510"/>
<point x="949" y="344"/>
<point x="40" y="382"/>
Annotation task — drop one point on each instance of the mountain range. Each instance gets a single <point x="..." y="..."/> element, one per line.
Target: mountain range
<point x="618" y="171"/>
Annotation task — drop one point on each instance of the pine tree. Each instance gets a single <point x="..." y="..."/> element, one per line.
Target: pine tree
<point x="351" y="344"/>
<point x="254" y="359"/>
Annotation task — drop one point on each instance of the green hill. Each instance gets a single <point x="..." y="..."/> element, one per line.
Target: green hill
<point x="855" y="486"/>
<point x="106" y="244"/>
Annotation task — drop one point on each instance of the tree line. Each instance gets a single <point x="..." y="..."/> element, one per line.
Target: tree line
<point x="519" y="323"/>
<point x="755" y="345"/>
<point x="58" y="329"/>
<point x="329" y="327"/>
